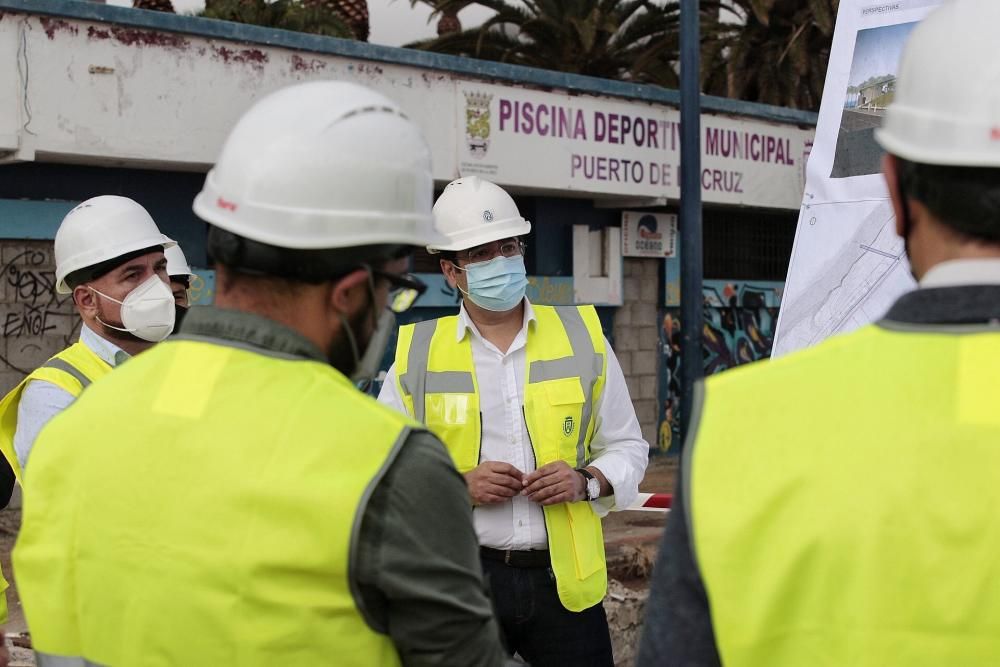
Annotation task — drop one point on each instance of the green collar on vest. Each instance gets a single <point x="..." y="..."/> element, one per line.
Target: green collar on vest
<point x="245" y="328"/>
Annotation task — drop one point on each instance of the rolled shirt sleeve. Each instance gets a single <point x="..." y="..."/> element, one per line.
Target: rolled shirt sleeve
<point x="617" y="448"/>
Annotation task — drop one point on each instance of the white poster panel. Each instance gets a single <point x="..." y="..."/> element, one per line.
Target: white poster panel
<point x="649" y="234"/>
<point x="848" y="265"/>
<point x="550" y="140"/>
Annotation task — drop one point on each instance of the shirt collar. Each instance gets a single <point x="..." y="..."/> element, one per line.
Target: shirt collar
<point x="102" y="347"/>
<point x="465" y="322"/>
<point x="244" y="329"/>
<point x="962" y="272"/>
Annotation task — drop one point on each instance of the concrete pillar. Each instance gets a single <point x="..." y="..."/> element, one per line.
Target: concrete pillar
<point x="637" y="339"/>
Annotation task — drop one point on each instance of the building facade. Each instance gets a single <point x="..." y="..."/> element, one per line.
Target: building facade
<point x="110" y="100"/>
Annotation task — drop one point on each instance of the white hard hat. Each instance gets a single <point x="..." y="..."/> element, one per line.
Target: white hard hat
<point x="472" y="211"/>
<point x="946" y="109"/>
<point x="177" y="264"/>
<point x="101" y="229"/>
<point x="323" y="165"/>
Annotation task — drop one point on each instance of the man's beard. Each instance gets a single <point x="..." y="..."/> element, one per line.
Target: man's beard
<point x="113" y="334"/>
<point x="341" y="356"/>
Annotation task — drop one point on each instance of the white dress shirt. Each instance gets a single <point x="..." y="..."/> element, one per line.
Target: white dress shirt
<point x="957" y="272"/>
<point x="617" y="447"/>
<point x="41" y="400"/>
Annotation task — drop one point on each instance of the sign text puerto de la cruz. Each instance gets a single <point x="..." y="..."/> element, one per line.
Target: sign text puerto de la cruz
<point x="605" y="146"/>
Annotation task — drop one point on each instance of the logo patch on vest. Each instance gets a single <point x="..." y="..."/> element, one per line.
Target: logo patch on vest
<point x="568" y="426"/>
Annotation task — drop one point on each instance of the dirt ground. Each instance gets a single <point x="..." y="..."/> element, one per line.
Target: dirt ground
<point x="631" y="540"/>
<point x="625" y="533"/>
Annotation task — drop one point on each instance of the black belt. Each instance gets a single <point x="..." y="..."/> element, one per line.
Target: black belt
<point x="534" y="558"/>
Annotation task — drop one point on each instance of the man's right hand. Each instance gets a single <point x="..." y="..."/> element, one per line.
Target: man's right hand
<point x="493" y="482"/>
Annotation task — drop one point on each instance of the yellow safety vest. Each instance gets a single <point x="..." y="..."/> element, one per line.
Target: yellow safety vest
<point x="566" y="368"/>
<point x="843" y="503"/>
<point x="201" y="506"/>
<point x="72" y="370"/>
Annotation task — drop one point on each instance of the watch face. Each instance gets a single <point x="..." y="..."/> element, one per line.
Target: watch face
<point x="593" y="489"/>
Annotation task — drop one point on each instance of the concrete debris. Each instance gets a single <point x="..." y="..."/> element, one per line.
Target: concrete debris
<point x="625" y="608"/>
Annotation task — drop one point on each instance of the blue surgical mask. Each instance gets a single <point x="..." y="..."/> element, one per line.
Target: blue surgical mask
<point x="498" y="284"/>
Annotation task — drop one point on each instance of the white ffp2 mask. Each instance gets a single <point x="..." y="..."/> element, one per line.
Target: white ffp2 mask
<point x="147" y="311"/>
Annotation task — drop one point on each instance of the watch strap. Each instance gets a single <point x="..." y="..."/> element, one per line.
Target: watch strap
<point x="587" y="478"/>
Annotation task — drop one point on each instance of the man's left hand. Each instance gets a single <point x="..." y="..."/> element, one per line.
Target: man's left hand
<point x="554" y="483"/>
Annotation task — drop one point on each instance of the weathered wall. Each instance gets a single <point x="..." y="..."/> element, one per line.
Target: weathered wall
<point x="156" y="98"/>
<point x="163" y="91"/>
<point x="35" y="322"/>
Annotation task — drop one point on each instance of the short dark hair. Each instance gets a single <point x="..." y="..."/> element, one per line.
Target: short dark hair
<point x="966" y="199"/>
<point x="88" y="273"/>
<point x="302" y="265"/>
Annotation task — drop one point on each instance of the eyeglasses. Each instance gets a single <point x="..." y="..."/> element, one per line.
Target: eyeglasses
<point x="404" y="289"/>
<point x="488" y="251"/>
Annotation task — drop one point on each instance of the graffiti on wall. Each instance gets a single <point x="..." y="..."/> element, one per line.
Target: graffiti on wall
<point x="739" y="319"/>
<point x="35" y="321"/>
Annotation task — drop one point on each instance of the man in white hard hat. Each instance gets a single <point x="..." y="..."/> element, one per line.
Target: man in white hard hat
<point x="180" y="283"/>
<point x="109" y="256"/>
<point x="180" y="276"/>
<point x="840" y="506"/>
<point x="532" y="405"/>
<point x="242" y="503"/>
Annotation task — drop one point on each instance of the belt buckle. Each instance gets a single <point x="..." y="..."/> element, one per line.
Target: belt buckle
<point x="506" y="557"/>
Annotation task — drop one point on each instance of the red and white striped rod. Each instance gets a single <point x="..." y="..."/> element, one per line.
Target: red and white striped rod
<point x="652" y="502"/>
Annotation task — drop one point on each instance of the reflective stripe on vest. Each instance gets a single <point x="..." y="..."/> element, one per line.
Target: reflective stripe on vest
<point x="67" y="367"/>
<point x="72" y="370"/>
<point x="844" y="506"/>
<point x="566" y="365"/>
<point x="417" y="382"/>
<point x="585" y="363"/>
<point x="252" y="564"/>
<point x="49" y="660"/>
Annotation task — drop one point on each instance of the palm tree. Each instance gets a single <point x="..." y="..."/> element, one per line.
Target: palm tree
<point x="634" y="40"/>
<point x="449" y="22"/>
<point x="296" y="15"/>
<point x="770" y="51"/>
<point x="354" y="12"/>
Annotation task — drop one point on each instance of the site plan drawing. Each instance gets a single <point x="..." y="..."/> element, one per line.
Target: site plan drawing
<point x="848" y="264"/>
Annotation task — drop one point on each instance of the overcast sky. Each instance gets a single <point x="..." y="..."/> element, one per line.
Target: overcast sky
<point x="877" y="51"/>
<point x="393" y="22"/>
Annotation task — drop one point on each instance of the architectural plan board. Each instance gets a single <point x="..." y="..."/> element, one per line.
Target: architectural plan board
<point x="848" y="265"/>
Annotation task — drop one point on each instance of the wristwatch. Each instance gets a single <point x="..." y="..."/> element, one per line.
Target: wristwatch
<point x="593" y="486"/>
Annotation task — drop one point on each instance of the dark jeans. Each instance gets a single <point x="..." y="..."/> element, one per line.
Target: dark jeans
<point x="537" y="627"/>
